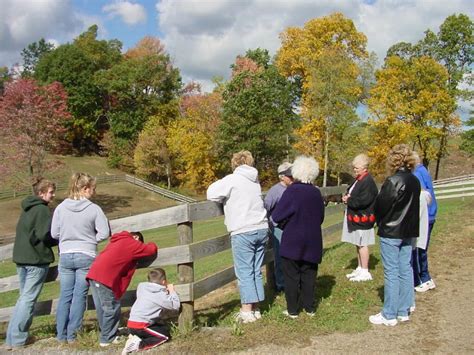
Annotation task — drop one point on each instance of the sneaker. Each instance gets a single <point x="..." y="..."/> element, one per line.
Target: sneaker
<point x="292" y="316"/>
<point x="245" y="317"/>
<point x="425" y="286"/>
<point x="361" y="277"/>
<point x="115" y="340"/>
<point x="310" y="314"/>
<point x="403" y="318"/>
<point x="354" y="273"/>
<point x="257" y="314"/>
<point x="412" y="309"/>
<point x="132" y="344"/>
<point x="380" y="319"/>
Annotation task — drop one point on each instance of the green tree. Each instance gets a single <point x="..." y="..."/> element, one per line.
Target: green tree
<point x="74" y="65"/>
<point x="5" y="77"/>
<point x="32" y="54"/>
<point x="467" y="138"/>
<point x="136" y="88"/>
<point x="257" y="111"/>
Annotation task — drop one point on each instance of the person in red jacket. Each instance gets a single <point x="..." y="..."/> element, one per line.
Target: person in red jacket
<point x="109" y="276"/>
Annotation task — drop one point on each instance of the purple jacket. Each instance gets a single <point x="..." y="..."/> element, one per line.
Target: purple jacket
<point x="300" y="212"/>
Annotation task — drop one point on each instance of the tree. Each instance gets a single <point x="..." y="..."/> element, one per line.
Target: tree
<point x="257" y="112"/>
<point x="152" y="156"/>
<point x="192" y="140"/>
<point x="74" y="65"/>
<point x="5" y="77"/>
<point x="301" y="47"/>
<point x="332" y="97"/>
<point x="453" y="47"/>
<point x="411" y="104"/>
<point x="467" y="138"/>
<point x="32" y="54"/>
<point x="136" y="88"/>
<point x="31" y="126"/>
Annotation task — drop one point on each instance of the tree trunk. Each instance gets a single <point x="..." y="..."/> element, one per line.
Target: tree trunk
<point x="326" y="157"/>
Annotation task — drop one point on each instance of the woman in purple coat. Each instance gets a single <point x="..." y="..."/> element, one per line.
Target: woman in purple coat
<point x="300" y="214"/>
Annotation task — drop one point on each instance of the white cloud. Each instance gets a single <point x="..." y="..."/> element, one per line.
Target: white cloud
<point x="25" y="21"/>
<point x="205" y="36"/>
<point x="131" y="13"/>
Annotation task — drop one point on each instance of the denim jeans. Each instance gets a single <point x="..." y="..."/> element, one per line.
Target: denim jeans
<point x="398" y="277"/>
<point x="73" y="268"/>
<point x="108" y="311"/>
<point x="248" y="250"/>
<point x="31" y="283"/>
<point x="279" y="280"/>
<point x="420" y="261"/>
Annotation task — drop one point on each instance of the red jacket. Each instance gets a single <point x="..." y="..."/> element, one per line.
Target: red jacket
<point x="116" y="264"/>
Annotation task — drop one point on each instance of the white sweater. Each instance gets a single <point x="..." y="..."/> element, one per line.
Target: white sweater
<point x="241" y="195"/>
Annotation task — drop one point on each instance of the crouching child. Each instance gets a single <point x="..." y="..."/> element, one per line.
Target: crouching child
<point x="110" y="275"/>
<point x="145" y="324"/>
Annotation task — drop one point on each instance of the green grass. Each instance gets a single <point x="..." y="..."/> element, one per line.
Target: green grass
<point x="341" y="306"/>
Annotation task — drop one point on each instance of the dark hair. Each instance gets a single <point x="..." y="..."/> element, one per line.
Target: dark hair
<point x="139" y="235"/>
<point x="157" y="275"/>
<point x="41" y="186"/>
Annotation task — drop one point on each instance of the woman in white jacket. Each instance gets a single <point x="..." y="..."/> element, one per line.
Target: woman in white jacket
<point x="246" y="221"/>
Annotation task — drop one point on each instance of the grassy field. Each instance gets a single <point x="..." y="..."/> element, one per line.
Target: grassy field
<point x="341" y="306"/>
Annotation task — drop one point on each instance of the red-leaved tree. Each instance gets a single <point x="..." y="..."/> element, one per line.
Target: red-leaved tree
<point x="31" y="126"/>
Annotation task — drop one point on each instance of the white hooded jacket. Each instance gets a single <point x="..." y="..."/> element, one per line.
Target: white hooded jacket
<point x="241" y="195"/>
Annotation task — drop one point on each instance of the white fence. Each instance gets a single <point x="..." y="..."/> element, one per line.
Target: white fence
<point x="460" y="186"/>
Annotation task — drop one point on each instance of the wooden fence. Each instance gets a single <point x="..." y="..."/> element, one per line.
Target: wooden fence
<point x="184" y="255"/>
<point x="460" y="186"/>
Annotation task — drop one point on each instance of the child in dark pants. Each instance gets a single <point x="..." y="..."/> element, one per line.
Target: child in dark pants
<point x="145" y="326"/>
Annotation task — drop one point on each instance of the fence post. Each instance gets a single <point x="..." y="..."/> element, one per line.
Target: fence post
<point x="186" y="275"/>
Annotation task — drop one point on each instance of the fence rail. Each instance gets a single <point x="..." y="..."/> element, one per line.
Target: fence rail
<point x="183" y="255"/>
<point x="461" y="186"/>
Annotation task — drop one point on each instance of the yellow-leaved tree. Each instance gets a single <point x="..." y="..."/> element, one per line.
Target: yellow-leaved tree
<point x="410" y="103"/>
<point x="324" y="56"/>
<point x="191" y="140"/>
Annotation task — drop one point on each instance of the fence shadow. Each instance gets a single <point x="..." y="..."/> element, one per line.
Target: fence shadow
<point x="218" y="313"/>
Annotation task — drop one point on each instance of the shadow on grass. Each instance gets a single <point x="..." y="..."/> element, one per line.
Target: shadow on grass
<point x="373" y="262"/>
<point x="324" y="286"/>
<point x="380" y="293"/>
<point x="213" y="315"/>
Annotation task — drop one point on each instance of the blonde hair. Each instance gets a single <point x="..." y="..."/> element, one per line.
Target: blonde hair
<point x="78" y="182"/>
<point x="362" y="159"/>
<point x="305" y="169"/>
<point x="244" y="157"/>
<point x="41" y="186"/>
<point x="400" y="156"/>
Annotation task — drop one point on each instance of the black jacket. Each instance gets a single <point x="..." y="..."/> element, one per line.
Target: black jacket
<point x="360" y="206"/>
<point x="397" y="207"/>
<point x="33" y="238"/>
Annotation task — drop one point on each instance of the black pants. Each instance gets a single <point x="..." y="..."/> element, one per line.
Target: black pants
<point x="152" y="336"/>
<point x="300" y="280"/>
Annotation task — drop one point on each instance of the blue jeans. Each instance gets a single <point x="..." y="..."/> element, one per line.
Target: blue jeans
<point x="31" y="283"/>
<point x="420" y="261"/>
<point x="398" y="277"/>
<point x="248" y="250"/>
<point x="279" y="280"/>
<point x="73" y="268"/>
<point x="108" y="311"/>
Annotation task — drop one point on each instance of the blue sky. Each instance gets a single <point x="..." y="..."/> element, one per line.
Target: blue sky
<point x="203" y="37"/>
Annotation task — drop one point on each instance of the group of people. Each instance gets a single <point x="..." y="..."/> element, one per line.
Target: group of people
<point x="77" y="226"/>
<point x="292" y="213"/>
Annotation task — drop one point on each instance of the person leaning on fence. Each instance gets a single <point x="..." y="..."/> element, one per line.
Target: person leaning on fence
<point x="32" y="255"/>
<point x="145" y="324"/>
<point x="359" y="218"/>
<point x="79" y="225"/>
<point x="421" y="276"/>
<point x="300" y="213"/>
<point x="109" y="276"/>
<point x="397" y="211"/>
<point x="271" y="200"/>
<point x="246" y="220"/>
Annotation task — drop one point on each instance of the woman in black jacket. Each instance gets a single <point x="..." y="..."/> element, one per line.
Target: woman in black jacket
<point x="358" y="226"/>
<point x="397" y="210"/>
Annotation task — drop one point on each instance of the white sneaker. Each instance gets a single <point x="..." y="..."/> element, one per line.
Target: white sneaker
<point x="245" y="317"/>
<point x="362" y="276"/>
<point x="132" y="344"/>
<point x="403" y="318"/>
<point x="257" y="314"/>
<point x="292" y="316"/>
<point x="412" y="309"/>
<point x="354" y="273"/>
<point x="425" y="286"/>
<point x="380" y="319"/>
